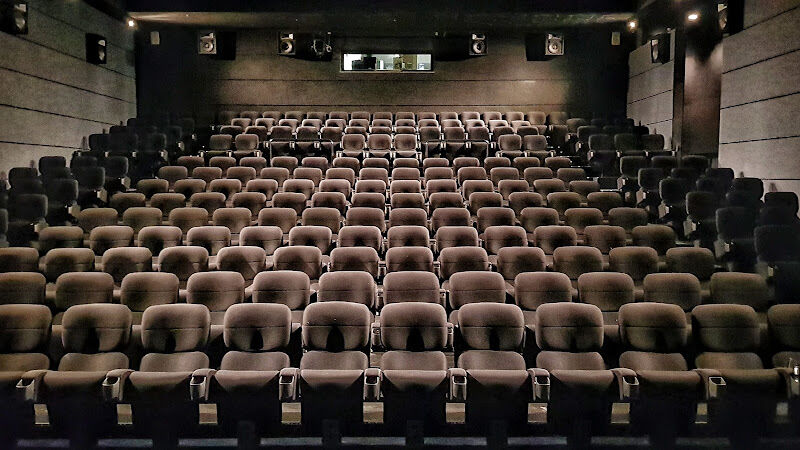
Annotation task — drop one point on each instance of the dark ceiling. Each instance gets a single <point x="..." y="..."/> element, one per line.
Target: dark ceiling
<point x="359" y="16"/>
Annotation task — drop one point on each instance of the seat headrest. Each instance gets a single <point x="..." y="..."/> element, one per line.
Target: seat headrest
<point x="569" y="327"/>
<point x="96" y="328"/>
<point x="336" y="326"/>
<point x="414" y="326"/>
<point x="784" y="325"/>
<point x="257" y="326"/>
<point x="24" y="328"/>
<point x="653" y="327"/>
<point x="175" y="328"/>
<point x="492" y="326"/>
<point x="726" y="328"/>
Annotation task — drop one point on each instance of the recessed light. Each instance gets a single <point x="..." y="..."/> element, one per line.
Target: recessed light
<point x="632" y="25"/>
<point x="693" y="16"/>
<point x="131" y="23"/>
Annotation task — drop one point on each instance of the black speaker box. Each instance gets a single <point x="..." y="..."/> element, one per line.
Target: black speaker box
<point x="660" y="48"/>
<point x="14" y="17"/>
<point x="452" y="48"/>
<point x="217" y="44"/>
<point x="534" y="47"/>
<point x="96" y="49"/>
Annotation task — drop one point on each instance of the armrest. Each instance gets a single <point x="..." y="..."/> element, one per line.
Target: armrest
<point x="443" y="297"/>
<point x="458" y="384"/>
<point x="199" y="384"/>
<point x="791" y="375"/>
<point x="287" y="384"/>
<point x="375" y="336"/>
<point x="372" y="384"/>
<point x="713" y="382"/>
<point x="28" y="386"/>
<point x="450" y="335"/>
<point x="627" y="382"/>
<point x="114" y="384"/>
<point x="540" y="379"/>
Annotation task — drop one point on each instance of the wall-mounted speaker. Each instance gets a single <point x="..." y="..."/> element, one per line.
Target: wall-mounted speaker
<point x="321" y="47"/>
<point x="96" y="49"/>
<point x="554" y="45"/>
<point x="217" y="44"/>
<point x="287" y="46"/>
<point x="14" y="17"/>
<point x="660" y="49"/>
<point x="207" y="43"/>
<point x="477" y="44"/>
<point x="730" y="14"/>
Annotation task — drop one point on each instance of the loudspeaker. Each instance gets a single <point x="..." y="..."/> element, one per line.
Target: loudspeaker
<point x="207" y="43"/>
<point x="554" y="45"/>
<point x="730" y="14"/>
<point x="534" y="47"/>
<point x="477" y="44"/>
<point x="321" y="47"/>
<point x="287" y="45"/>
<point x="660" y="49"/>
<point x="14" y="17"/>
<point x="218" y="44"/>
<point x="96" y="48"/>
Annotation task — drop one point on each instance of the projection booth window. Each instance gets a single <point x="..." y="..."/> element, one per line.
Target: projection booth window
<point x="387" y="62"/>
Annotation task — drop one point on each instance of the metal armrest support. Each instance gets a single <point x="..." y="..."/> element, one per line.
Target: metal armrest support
<point x="375" y="336"/>
<point x="114" y="384"/>
<point x="458" y="384"/>
<point x="287" y="384"/>
<point x="627" y="382"/>
<point x="199" y="384"/>
<point x="540" y="379"/>
<point x="28" y="386"/>
<point x="372" y="384"/>
<point x="713" y="382"/>
<point x="450" y="335"/>
<point x="791" y="375"/>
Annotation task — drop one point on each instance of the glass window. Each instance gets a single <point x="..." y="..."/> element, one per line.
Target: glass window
<point x="387" y="62"/>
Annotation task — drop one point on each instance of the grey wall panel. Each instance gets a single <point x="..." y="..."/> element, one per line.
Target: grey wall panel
<point x="768" y="119"/>
<point x="760" y="115"/>
<point x="20" y="155"/>
<point x="652" y="109"/>
<point x="50" y="97"/>
<point x="653" y="82"/>
<point x="776" y="36"/>
<point x="772" y="78"/>
<point x="71" y="40"/>
<point x="88" y="19"/>
<point x="30" y="58"/>
<point x="40" y="128"/>
<point x="760" y="10"/>
<point x="774" y="159"/>
<point x="29" y="92"/>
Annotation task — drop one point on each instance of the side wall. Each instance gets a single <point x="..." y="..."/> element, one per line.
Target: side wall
<point x="650" y="91"/>
<point x="760" y="108"/>
<point x="591" y="78"/>
<point x="50" y="97"/>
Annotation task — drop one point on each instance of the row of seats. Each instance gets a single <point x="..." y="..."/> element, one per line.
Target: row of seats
<point x="655" y="373"/>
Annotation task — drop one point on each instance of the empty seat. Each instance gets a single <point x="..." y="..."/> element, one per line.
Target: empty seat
<point x="570" y="336"/>
<point x="474" y="287"/>
<point x="407" y="236"/>
<point x="183" y="261"/>
<point x="400" y="259"/>
<point x="604" y="237"/>
<point x="655" y="337"/>
<point x="301" y="258"/>
<point x="110" y="236"/>
<point x="158" y="238"/>
<point x="453" y="260"/>
<point x="22" y="288"/>
<point x="212" y="238"/>
<point x="141" y="290"/>
<point x="414" y="335"/>
<point x="332" y="369"/>
<point x="456" y="236"/>
<point x="321" y="216"/>
<point x="348" y="286"/>
<point x="172" y="338"/>
<point x="408" y="216"/>
<point x="575" y="261"/>
<point x="121" y="261"/>
<point x="658" y="237"/>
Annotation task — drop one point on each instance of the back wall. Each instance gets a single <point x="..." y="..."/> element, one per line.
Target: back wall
<point x="591" y="78"/>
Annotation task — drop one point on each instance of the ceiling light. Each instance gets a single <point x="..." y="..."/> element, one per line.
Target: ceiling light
<point x="632" y="24"/>
<point x="693" y="17"/>
<point x="131" y="23"/>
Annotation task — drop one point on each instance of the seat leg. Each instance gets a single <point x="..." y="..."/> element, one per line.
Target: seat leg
<point x="246" y="436"/>
<point x="415" y="434"/>
<point x="331" y="434"/>
<point x="581" y="435"/>
<point x="498" y="434"/>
